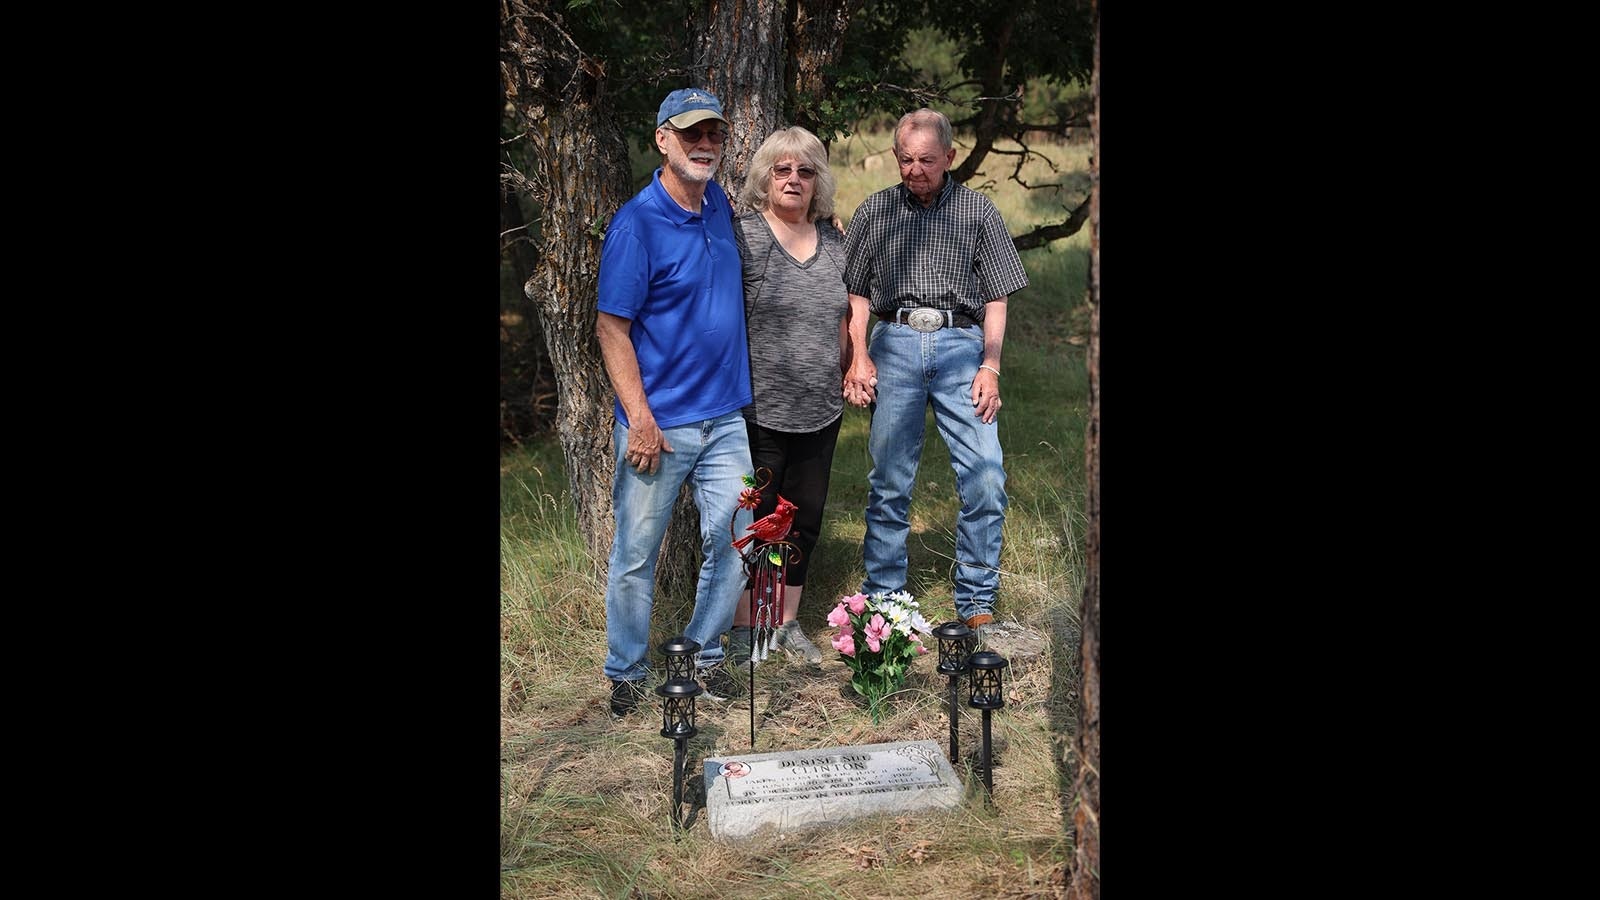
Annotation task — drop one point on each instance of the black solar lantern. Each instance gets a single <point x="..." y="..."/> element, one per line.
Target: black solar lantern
<point x="955" y="643"/>
<point x="677" y="711"/>
<point x="987" y="692"/>
<point x="680" y="653"/>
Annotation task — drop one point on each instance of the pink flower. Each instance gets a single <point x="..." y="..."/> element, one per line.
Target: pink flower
<point x="839" y="616"/>
<point x="858" y="603"/>
<point x="845" y="643"/>
<point x="877" y="632"/>
<point x="920" y="649"/>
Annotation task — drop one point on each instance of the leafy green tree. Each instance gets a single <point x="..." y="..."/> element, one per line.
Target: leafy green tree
<point x="993" y="56"/>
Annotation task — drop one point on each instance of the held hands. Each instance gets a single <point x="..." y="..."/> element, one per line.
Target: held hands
<point x="855" y="395"/>
<point x="861" y="383"/>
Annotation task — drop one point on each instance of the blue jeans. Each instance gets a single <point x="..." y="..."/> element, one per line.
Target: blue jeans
<point x="915" y="370"/>
<point x="713" y="455"/>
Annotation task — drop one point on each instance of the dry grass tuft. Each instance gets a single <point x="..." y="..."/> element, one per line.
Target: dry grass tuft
<point x="583" y="794"/>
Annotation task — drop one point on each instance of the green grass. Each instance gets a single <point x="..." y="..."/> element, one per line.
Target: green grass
<point x="584" y="801"/>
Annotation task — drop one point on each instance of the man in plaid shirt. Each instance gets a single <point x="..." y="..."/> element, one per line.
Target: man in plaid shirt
<point x="930" y="265"/>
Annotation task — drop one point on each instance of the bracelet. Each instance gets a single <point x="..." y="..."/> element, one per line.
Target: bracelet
<point x="992" y="369"/>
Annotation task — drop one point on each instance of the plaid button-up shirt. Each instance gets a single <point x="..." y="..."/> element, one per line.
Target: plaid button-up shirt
<point x="955" y="254"/>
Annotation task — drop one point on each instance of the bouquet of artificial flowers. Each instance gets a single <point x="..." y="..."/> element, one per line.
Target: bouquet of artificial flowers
<point x="878" y="638"/>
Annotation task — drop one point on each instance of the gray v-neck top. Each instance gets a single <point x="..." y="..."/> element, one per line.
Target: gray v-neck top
<point x="792" y="311"/>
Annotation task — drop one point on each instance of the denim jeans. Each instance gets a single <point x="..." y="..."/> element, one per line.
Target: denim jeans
<point x="713" y="455"/>
<point x="914" y="370"/>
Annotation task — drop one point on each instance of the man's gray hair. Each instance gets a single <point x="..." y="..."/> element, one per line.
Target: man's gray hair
<point x="925" y="118"/>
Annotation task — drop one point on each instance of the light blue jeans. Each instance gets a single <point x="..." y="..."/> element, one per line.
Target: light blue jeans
<point x="713" y="455"/>
<point x="915" y="370"/>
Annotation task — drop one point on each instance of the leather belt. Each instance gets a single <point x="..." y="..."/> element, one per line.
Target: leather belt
<point x="926" y="318"/>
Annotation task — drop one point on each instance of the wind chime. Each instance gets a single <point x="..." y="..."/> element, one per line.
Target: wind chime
<point x="767" y="557"/>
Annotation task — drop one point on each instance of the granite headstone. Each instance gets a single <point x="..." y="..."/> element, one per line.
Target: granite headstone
<point x="761" y="793"/>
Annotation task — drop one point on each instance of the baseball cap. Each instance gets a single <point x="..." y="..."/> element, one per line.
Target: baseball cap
<point x="686" y="106"/>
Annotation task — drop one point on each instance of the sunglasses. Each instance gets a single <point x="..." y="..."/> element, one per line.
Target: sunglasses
<point x="693" y="135"/>
<point x="782" y="172"/>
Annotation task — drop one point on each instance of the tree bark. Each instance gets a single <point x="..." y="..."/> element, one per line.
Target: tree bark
<point x="579" y="177"/>
<point x="1086" y="812"/>
<point x="739" y="55"/>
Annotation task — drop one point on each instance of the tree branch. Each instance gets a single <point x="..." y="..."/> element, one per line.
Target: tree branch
<point x="1044" y="234"/>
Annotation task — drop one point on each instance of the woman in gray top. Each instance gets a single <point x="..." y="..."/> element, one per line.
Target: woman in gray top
<point x="796" y="311"/>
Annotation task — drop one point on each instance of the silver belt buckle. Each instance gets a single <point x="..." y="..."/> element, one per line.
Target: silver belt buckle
<point x="926" y="319"/>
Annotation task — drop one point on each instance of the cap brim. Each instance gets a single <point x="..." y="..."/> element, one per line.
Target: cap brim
<point x="684" y="120"/>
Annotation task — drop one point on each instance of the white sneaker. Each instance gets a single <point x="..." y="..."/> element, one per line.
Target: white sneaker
<point x="795" y="642"/>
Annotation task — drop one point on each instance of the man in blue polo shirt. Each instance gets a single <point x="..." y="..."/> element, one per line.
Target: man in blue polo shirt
<point x="672" y="331"/>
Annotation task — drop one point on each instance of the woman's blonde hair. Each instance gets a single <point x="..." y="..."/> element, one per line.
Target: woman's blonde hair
<point x="790" y="143"/>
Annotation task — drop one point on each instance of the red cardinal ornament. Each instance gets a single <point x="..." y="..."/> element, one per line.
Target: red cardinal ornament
<point x="773" y="526"/>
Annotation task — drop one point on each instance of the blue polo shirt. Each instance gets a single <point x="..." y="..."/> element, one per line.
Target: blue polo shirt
<point x="677" y="276"/>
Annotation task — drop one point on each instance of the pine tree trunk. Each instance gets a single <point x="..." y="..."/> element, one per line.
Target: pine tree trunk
<point x="579" y="178"/>
<point x="1086" y="812"/>
<point x="739" y="55"/>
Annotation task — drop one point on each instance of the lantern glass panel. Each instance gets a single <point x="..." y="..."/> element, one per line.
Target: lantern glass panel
<point x="985" y="685"/>
<point x="677" y="715"/>
<point x="680" y="667"/>
<point x="986" y="682"/>
<point x="954" y="647"/>
<point x="680" y="653"/>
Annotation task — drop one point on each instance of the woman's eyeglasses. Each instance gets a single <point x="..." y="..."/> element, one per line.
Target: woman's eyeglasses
<point x="782" y="172"/>
<point x="693" y="135"/>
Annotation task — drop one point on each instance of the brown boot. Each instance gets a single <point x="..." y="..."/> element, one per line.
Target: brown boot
<point x="981" y="625"/>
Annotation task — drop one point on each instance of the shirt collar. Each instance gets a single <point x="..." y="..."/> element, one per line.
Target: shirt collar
<point x="910" y="199"/>
<point x="676" y="213"/>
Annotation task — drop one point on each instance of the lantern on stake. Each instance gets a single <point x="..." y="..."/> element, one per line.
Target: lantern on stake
<point x="987" y="692"/>
<point x="677" y="711"/>
<point x="955" y="644"/>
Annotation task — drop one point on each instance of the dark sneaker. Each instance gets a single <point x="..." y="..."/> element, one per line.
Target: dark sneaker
<point x="625" y="696"/>
<point x="794" y="641"/>
<point x="721" y="682"/>
<point x="738" y="645"/>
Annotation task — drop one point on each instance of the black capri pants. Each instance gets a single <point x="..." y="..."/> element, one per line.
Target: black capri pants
<point x="800" y="465"/>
